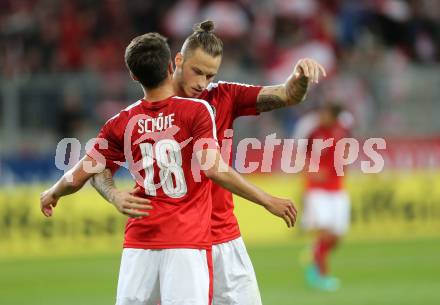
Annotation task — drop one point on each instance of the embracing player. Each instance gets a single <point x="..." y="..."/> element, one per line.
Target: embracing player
<point x="196" y="67"/>
<point x="166" y="141"/>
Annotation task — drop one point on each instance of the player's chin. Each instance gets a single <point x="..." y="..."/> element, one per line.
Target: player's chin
<point x="194" y="93"/>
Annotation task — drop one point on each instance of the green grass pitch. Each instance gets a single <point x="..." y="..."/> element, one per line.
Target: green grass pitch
<point x="372" y="273"/>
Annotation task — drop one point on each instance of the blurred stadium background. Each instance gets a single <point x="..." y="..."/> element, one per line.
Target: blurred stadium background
<point x="62" y="75"/>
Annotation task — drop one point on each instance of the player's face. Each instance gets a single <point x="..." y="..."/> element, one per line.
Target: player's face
<point x="327" y="118"/>
<point x="194" y="72"/>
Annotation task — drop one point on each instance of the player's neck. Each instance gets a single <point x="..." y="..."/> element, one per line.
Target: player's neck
<point x="177" y="89"/>
<point x="160" y="93"/>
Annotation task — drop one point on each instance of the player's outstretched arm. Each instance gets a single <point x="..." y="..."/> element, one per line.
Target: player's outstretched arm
<point x="71" y="182"/>
<point x="126" y="202"/>
<point x="294" y="90"/>
<point x="228" y="178"/>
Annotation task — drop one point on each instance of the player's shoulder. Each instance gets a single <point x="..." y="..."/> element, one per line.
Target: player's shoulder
<point x="226" y="86"/>
<point x="340" y="131"/>
<point x="124" y="113"/>
<point x="193" y="105"/>
<point x="306" y="125"/>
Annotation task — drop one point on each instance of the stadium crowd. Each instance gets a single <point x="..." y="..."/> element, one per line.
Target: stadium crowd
<point x="43" y="36"/>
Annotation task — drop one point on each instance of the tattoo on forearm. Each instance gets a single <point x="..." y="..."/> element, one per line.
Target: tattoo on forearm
<point x="104" y="184"/>
<point x="296" y="89"/>
<point x="290" y="93"/>
<point x="268" y="102"/>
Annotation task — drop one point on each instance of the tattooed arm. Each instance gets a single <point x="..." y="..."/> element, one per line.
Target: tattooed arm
<point x="104" y="184"/>
<point x="294" y="90"/>
<point x="126" y="202"/>
<point x="71" y="182"/>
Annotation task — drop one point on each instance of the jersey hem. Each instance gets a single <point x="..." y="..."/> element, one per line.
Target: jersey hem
<point x="325" y="188"/>
<point x="226" y="239"/>
<point x="146" y="246"/>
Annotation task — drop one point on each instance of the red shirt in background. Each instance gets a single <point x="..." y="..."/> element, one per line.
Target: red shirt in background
<point x="326" y="178"/>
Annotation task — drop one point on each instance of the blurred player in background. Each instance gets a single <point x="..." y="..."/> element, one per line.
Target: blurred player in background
<point x="166" y="255"/>
<point x="196" y="67"/>
<point x="326" y="204"/>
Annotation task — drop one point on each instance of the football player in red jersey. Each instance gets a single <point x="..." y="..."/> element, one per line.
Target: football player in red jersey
<point x="165" y="140"/>
<point x="197" y="65"/>
<point x="326" y="204"/>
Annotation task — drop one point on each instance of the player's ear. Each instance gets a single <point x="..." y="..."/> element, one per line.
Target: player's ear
<point x="178" y="60"/>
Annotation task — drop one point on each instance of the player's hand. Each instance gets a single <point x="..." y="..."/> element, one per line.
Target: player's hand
<point x="309" y="68"/>
<point x="127" y="203"/>
<point x="48" y="201"/>
<point x="283" y="208"/>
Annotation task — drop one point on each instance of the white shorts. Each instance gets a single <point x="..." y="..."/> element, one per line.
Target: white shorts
<point x="167" y="276"/>
<point x="235" y="282"/>
<point x="328" y="210"/>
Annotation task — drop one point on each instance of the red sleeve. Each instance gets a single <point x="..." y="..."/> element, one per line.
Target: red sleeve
<point x="203" y="126"/>
<point x="244" y="98"/>
<point x="108" y="146"/>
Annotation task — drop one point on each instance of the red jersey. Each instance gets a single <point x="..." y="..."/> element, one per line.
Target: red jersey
<point x="230" y="100"/>
<point x="157" y="141"/>
<point x="329" y="180"/>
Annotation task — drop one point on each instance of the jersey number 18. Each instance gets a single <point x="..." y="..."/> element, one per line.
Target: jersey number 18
<point x="169" y="160"/>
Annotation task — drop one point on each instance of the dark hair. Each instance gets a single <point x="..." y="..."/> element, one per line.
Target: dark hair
<point x="203" y="37"/>
<point x="147" y="57"/>
<point x="334" y="109"/>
